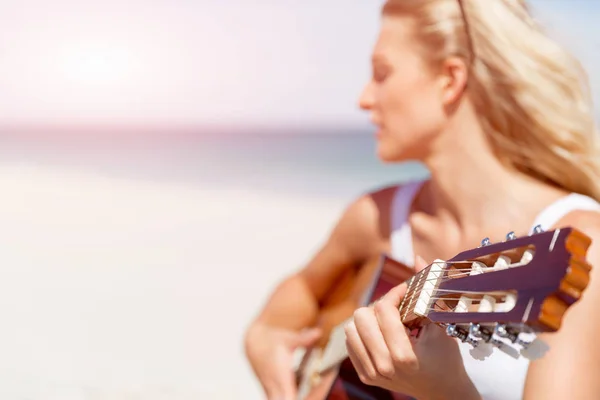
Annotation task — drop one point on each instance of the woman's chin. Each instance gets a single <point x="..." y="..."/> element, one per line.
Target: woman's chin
<point x="387" y="155"/>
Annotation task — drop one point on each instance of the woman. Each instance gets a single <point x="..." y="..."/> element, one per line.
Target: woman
<point x="500" y="115"/>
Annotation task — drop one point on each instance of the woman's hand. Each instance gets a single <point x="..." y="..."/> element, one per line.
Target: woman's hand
<point x="270" y="351"/>
<point x="384" y="353"/>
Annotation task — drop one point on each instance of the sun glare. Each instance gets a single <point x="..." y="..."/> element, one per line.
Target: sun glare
<point x="99" y="66"/>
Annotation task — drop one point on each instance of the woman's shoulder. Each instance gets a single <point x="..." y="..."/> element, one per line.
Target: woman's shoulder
<point x="372" y="207"/>
<point x="376" y="202"/>
<point x="585" y="220"/>
<point x="579" y="211"/>
<point x="371" y="212"/>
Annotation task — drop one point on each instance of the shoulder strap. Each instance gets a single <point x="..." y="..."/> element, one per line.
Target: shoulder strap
<point x="549" y="216"/>
<point x="401" y="235"/>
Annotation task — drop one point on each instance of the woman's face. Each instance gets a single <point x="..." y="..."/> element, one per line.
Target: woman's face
<point x="404" y="96"/>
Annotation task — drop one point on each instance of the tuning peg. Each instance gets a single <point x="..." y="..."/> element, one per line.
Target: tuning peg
<point x="504" y="331"/>
<point x="538" y="229"/>
<point x="501" y="330"/>
<point x="485" y="242"/>
<point x="482" y="341"/>
<point x="477" y="331"/>
<point x="454" y="331"/>
<point x="523" y="339"/>
<point x="472" y="341"/>
<point x="532" y="347"/>
<point x="510" y="236"/>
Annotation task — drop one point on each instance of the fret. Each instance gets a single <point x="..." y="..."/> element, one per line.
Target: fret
<point x="418" y="289"/>
<point x="407" y="294"/>
<point x="413" y="288"/>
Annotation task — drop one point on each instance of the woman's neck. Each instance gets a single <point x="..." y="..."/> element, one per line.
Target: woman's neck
<point x="470" y="186"/>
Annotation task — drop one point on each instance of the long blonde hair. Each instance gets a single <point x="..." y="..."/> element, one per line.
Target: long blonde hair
<point x="532" y="96"/>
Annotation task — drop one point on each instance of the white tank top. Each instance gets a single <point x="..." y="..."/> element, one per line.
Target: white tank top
<point x="499" y="376"/>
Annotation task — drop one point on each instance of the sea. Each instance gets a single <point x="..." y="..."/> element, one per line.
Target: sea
<point x="305" y="162"/>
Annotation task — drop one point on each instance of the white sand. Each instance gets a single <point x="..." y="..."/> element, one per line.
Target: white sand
<point x="118" y="289"/>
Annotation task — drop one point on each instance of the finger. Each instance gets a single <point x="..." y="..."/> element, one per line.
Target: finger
<point x="358" y="366"/>
<point x="280" y="379"/>
<point x="395" y="295"/>
<point x="284" y="388"/>
<point x="307" y="338"/>
<point x="288" y="393"/>
<point x="360" y="357"/>
<point x="395" y="335"/>
<point x="369" y="331"/>
<point x="420" y="263"/>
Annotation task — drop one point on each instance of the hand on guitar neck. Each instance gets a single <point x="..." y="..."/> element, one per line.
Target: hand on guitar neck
<point x="387" y="354"/>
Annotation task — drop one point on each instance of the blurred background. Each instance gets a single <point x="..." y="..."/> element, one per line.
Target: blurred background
<point x="163" y="164"/>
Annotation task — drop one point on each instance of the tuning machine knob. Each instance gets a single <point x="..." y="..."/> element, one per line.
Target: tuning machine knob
<point x="479" y="338"/>
<point x="454" y="331"/>
<point x="537" y="229"/>
<point x="485" y="242"/>
<point x="504" y="331"/>
<point x="511" y="334"/>
<point x="479" y="332"/>
<point x="510" y="236"/>
<point x="532" y="347"/>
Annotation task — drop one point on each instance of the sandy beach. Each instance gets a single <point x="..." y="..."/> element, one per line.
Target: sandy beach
<point x="131" y="289"/>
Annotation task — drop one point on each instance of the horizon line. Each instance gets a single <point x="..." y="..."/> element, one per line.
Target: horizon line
<point x="179" y="128"/>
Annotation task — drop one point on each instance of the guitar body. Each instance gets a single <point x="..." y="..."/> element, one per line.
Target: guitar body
<point x="344" y="384"/>
<point x="341" y="382"/>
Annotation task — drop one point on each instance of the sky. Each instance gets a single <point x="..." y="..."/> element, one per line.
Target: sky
<point x="194" y="62"/>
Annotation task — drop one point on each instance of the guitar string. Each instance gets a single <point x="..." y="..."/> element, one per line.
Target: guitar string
<point x="414" y="301"/>
<point x="458" y="272"/>
<point x="461" y="273"/>
<point x="452" y="309"/>
<point x="405" y="309"/>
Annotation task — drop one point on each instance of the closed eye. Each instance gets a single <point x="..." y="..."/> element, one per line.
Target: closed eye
<point x="380" y="73"/>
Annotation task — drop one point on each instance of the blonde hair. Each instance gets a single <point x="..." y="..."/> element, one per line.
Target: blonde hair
<point x="532" y="96"/>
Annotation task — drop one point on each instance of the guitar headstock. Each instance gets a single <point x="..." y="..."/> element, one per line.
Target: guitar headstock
<point x="507" y="290"/>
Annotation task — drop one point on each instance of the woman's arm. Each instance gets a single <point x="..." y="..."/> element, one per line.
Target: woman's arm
<point x="296" y="302"/>
<point x="355" y="240"/>
<point x="571" y="368"/>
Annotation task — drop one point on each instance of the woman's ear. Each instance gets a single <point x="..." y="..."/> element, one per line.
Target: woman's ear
<point x="454" y="75"/>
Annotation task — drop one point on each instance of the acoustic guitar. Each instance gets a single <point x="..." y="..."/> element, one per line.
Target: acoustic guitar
<point x="496" y="296"/>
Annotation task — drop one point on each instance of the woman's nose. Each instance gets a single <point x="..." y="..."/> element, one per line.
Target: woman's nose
<point x="365" y="100"/>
